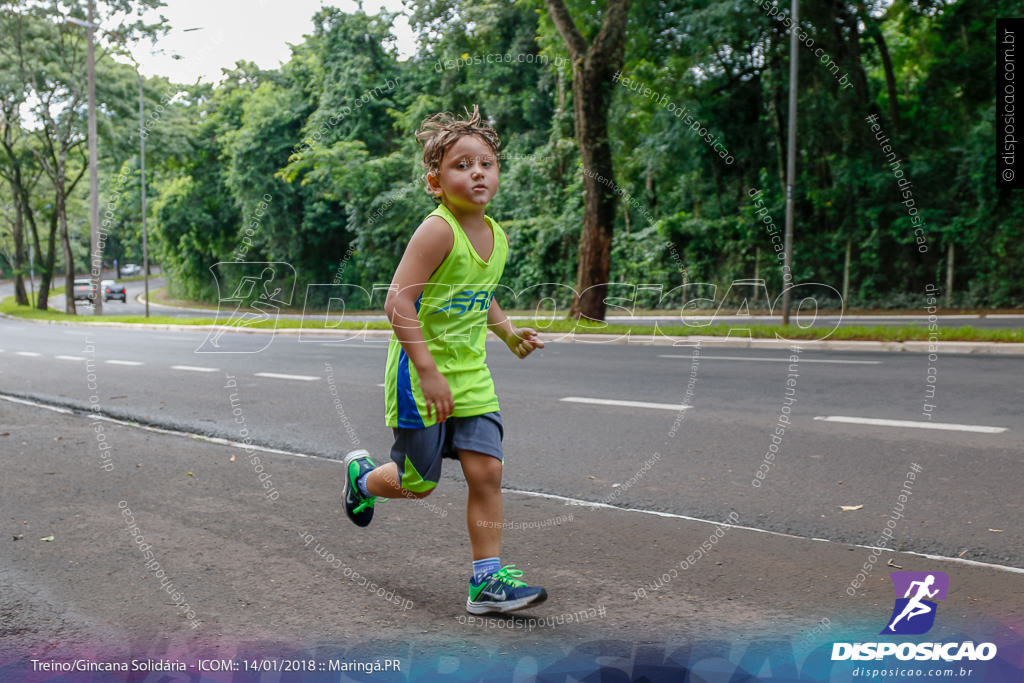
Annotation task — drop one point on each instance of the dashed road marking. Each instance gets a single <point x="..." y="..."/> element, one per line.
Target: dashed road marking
<point x="912" y="424"/>
<point x="625" y="404"/>
<point x="193" y="368"/>
<point x="275" y="375"/>
<point x="131" y="363"/>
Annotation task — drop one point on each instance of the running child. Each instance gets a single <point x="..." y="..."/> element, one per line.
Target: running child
<point x="439" y="394"/>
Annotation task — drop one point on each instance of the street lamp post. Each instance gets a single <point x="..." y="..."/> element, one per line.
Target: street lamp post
<point x="94" y="200"/>
<point x="142" y="169"/>
<point x="790" y="164"/>
<point x="96" y="247"/>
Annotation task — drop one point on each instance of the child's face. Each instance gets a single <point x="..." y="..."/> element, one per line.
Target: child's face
<point x="468" y="176"/>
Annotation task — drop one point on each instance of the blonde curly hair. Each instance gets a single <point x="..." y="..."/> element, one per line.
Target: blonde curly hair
<point x="439" y="132"/>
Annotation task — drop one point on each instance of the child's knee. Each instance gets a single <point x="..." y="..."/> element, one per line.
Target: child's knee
<point x="423" y="493"/>
<point x="486" y="474"/>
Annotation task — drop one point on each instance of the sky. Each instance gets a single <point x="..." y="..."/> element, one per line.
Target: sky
<point x="253" y="30"/>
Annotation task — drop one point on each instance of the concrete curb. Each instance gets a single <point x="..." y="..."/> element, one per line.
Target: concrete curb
<point x="980" y="348"/>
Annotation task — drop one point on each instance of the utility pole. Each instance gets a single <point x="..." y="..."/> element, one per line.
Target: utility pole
<point x="142" y="168"/>
<point x="96" y="246"/>
<point x="790" y="163"/>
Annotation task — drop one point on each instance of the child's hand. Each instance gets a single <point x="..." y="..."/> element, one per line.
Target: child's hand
<point x="437" y="395"/>
<point x="523" y="341"/>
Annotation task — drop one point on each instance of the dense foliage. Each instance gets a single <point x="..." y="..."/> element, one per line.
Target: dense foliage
<point x="316" y="164"/>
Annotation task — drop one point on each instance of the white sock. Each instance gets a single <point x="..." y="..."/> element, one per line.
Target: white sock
<point x="485" y="567"/>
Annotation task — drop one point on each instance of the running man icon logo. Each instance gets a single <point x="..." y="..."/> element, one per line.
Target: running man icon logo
<point x="914" y="611"/>
<point x="249" y="293"/>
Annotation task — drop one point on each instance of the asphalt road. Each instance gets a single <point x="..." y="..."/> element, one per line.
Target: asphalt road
<point x="237" y="576"/>
<point x="242" y="562"/>
<point x="132" y="305"/>
<point x="710" y="453"/>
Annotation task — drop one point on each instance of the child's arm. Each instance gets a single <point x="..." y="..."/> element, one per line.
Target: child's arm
<point x="428" y="248"/>
<point x="521" y="340"/>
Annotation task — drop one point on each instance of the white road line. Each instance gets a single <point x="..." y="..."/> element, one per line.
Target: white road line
<point x="70" y="357"/>
<point x="123" y="362"/>
<point x="535" y="494"/>
<point x="274" y="375"/>
<point x="672" y="515"/>
<point x="160" y="430"/>
<point x="193" y="368"/>
<point x="779" y="360"/>
<point x="626" y="404"/>
<point x="945" y="426"/>
<point x="31" y="354"/>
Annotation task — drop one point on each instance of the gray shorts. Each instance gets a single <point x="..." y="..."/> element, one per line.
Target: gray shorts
<point x="418" y="452"/>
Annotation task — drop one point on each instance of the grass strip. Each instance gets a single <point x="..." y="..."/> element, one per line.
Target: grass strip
<point x="889" y="333"/>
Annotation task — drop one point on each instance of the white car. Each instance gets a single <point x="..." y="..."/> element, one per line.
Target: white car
<point x="84" y="290"/>
<point x="130" y="269"/>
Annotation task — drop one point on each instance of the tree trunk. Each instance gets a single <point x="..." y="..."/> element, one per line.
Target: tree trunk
<point x="846" y="271"/>
<point x="18" y="228"/>
<point x="776" y="120"/>
<point x="949" y="276"/>
<point x="32" y="237"/>
<point x="69" y="258"/>
<point x="652" y="197"/>
<point x="757" y="275"/>
<point x="593" y="69"/>
<point x="595" y="254"/>
<point x="21" y="207"/>
<point x="46" y="275"/>
<point x="873" y="30"/>
<point x="718" y="188"/>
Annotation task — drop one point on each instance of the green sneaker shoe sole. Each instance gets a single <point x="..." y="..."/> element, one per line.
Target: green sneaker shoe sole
<point x="358" y="507"/>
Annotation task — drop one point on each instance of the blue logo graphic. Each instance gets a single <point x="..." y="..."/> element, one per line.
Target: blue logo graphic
<point x="915" y="607"/>
<point x="465" y="301"/>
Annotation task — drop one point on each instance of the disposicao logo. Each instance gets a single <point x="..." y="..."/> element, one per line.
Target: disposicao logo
<point x="913" y="613"/>
<point x="915" y="608"/>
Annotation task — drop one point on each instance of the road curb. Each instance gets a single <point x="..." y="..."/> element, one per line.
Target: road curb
<point x="758" y="343"/>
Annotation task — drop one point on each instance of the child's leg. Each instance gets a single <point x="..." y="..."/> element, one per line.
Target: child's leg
<point x="492" y="588"/>
<point x="483" y="506"/>
<point x="418" y="450"/>
<point x="384" y="482"/>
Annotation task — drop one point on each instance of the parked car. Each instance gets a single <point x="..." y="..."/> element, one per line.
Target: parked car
<point x="130" y="269"/>
<point x="112" y="290"/>
<point x="84" y="290"/>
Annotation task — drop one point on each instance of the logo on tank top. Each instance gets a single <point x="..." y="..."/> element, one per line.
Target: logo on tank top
<point x="466" y="301"/>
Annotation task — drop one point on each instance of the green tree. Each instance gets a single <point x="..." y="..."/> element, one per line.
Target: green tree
<point x="594" y="65"/>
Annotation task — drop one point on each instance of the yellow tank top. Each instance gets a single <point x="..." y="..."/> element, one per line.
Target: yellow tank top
<point x="452" y="311"/>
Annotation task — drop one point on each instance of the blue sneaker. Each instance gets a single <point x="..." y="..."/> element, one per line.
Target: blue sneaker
<point x="358" y="507"/>
<point x="502" y="591"/>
